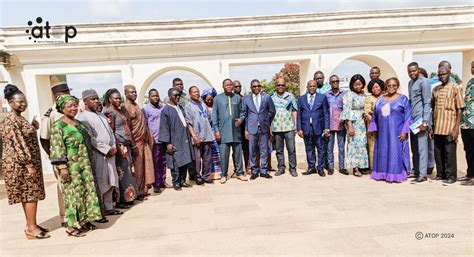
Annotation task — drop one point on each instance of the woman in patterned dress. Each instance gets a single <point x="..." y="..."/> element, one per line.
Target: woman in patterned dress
<point x="375" y="88"/>
<point x="123" y="137"/>
<point x="69" y="154"/>
<point x="207" y="96"/>
<point x="353" y="117"/>
<point x="21" y="161"/>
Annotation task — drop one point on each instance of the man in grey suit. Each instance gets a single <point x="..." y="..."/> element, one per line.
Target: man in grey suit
<point x="259" y="111"/>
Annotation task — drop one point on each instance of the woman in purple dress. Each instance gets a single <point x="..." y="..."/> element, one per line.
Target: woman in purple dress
<point x="391" y="120"/>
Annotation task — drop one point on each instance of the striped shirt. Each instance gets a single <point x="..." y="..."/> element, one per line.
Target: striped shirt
<point x="447" y="100"/>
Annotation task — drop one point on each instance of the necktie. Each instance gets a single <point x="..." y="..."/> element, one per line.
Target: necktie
<point x="230" y="106"/>
<point x="311" y="101"/>
<point x="257" y="102"/>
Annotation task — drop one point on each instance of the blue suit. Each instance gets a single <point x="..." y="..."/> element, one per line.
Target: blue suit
<point x="313" y="121"/>
<point x="258" y="126"/>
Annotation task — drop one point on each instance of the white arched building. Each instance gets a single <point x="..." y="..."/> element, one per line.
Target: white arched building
<point x="141" y="51"/>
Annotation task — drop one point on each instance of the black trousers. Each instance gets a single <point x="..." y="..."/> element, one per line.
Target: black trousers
<point x="179" y="175"/>
<point x="445" y="156"/>
<point x="468" y="140"/>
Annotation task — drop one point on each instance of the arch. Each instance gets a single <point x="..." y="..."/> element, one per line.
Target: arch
<point x="146" y="84"/>
<point x="371" y="60"/>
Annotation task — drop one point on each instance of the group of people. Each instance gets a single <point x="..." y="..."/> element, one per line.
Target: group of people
<point x="110" y="154"/>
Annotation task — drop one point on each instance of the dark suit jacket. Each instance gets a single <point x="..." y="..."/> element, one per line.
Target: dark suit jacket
<point x="319" y="113"/>
<point x="264" y="116"/>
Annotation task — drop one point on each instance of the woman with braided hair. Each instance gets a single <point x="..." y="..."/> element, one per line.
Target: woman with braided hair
<point x="123" y="137"/>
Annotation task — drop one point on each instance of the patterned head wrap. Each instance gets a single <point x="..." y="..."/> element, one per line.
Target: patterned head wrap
<point x="208" y="91"/>
<point x="62" y="100"/>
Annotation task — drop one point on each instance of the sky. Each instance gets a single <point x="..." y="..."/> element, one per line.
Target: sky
<point x="18" y="12"/>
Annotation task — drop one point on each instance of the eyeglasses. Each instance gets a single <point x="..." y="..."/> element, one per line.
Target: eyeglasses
<point x="254" y="86"/>
<point x="280" y="85"/>
<point x="237" y="86"/>
<point x="335" y="81"/>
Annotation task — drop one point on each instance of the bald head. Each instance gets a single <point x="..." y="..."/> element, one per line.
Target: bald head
<point x="311" y="86"/>
<point x="445" y="64"/>
<point x="280" y="86"/>
<point x="237" y="86"/>
<point x="130" y="93"/>
<point x="443" y="74"/>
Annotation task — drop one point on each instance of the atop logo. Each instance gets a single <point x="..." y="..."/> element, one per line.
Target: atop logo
<point x="44" y="32"/>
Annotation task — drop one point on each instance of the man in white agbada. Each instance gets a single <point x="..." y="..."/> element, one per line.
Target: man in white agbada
<point x="103" y="150"/>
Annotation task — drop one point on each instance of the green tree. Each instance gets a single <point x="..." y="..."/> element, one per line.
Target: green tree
<point x="291" y="74"/>
<point x="455" y="76"/>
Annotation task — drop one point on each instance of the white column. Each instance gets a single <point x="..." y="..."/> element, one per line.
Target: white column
<point x="127" y="73"/>
<point x="307" y="69"/>
<point x="400" y="67"/>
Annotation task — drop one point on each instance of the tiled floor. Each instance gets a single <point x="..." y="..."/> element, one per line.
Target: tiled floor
<point x="307" y="215"/>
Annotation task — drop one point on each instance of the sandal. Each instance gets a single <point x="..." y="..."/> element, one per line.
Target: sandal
<point x="113" y="212"/>
<point x="45" y="230"/>
<point x="103" y="220"/>
<point x="356" y="172"/>
<point x="41" y="235"/>
<point x="89" y="226"/>
<point x="76" y="233"/>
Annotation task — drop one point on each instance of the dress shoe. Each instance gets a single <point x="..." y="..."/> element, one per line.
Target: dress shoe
<point x="449" y="181"/>
<point x="412" y="175"/>
<point x="280" y="172"/>
<point x="141" y="198"/>
<point x="321" y="173"/>
<point x="254" y="176"/>
<point x="242" y="178"/>
<point x="309" y="172"/>
<point x="343" y="172"/>
<point x="223" y="180"/>
<point x="184" y="184"/>
<point x="177" y="188"/>
<point x="364" y="171"/>
<point x="293" y="173"/>
<point x="464" y="178"/>
<point x="468" y="183"/>
<point x="199" y="181"/>
<point x="439" y="178"/>
<point x="157" y="190"/>
<point x="330" y="171"/>
<point x="266" y="175"/>
<point x="208" y="181"/>
<point x="419" y="180"/>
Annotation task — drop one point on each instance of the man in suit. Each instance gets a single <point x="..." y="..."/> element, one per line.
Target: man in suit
<point x="312" y="124"/>
<point x="259" y="111"/>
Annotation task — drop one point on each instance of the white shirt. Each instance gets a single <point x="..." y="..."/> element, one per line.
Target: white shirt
<point x="257" y="100"/>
